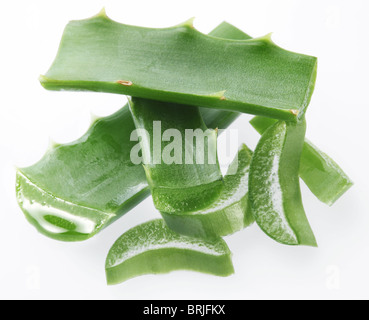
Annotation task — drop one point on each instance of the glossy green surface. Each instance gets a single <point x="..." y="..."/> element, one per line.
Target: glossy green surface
<point x="321" y="174"/>
<point x="275" y="196"/>
<point x="152" y="248"/>
<point x="179" y="180"/>
<point x="213" y="117"/>
<point x="228" y="214"/>
<point x="80" y="188"/>
<point x="182" y="65"/>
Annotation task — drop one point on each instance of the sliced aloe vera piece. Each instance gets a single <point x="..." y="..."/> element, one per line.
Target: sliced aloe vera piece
<point x="321" y="174"/>
<point x="183" y="171"/>
<point x="228" y="214"/>
<point x="78" y="189"/>
<point x="152" y="248"/>
<point x="275" y="196"/>
<point x="182" y="65"/>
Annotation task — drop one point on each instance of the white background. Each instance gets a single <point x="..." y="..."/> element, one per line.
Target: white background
<point x="32" y="266"/>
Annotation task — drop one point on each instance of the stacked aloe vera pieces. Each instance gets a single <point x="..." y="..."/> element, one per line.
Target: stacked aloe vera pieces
<point x="184" y="81"/>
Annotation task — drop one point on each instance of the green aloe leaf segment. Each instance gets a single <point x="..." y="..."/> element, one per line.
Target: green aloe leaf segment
<point x="152" y="248"/>
<point x="194" y="69"/>
<point x="79" y="188"/>
<point x="183" y="171"/>
<point x="275" y="196"/>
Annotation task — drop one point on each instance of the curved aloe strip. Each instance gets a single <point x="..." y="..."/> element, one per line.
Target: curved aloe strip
<point x="228" y="214"/>
<point x="152" y="248"/>
<point x="52" y="184"/>
<point x="275" y="197"/>
<point x="183" y="181"/>
<point x="182" y="65"/>
<point x="321" y="174"/>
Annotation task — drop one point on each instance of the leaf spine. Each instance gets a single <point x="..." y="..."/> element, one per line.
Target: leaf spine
<point x="125" y="83"/>
<point x="295" y="112"/>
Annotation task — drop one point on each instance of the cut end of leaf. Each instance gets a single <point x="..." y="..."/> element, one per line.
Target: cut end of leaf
<point x="341" y="192"/>
<point x="56" y="218"/>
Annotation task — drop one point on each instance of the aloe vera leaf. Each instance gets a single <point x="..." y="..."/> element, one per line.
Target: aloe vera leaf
<point x="228" y="214"/>
<point x="182" y="181"/>
<point x="55" y="194"/>
<point x="274" y="184"/>
<point x="152" y="248"/>
<point x="79" y="188"/>
<point x="326" y="180"/>
<point x="182" y="65"/>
